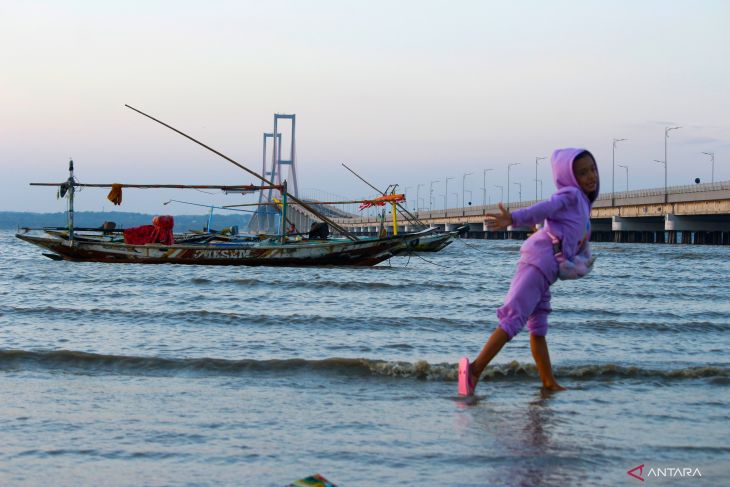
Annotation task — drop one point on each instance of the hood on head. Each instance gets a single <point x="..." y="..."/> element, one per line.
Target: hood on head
<point x="562" y="164"/>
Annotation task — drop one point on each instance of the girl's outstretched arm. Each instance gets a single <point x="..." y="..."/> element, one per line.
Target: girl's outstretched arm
<point x="498" y="221"/>
<point x="538" y="212"/>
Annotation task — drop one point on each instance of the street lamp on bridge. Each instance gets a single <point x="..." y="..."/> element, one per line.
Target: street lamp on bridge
<point x="446" y="192"/>
<point x="509" y="166"/>
<point x="539" y="181"/>
<point x="484" y="188"/>
<point x="519" y="185"/>
<point x="666" y="138"/>
<point x="430" y="195"/>
<point x="418" y="198"/>
<point x="538" y="159"/>
<point x="613" y="168"/>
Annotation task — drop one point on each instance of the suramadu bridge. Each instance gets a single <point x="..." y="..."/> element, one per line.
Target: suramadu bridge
<point x="698" y="214"/>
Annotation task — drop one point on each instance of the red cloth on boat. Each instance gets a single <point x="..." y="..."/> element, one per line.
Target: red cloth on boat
<point x="138" y="235"/>
<point x="159" y="232"/>
<point x="163" y="229"/>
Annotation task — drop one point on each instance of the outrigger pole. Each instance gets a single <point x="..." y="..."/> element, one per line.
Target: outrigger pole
<point x="248" y="187"/>
<point x="293" y="198"/>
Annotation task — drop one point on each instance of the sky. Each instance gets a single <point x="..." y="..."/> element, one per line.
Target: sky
<point x="404" y="92"/>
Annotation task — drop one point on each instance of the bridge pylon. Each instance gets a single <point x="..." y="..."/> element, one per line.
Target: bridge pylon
<point x="265" y="220"/>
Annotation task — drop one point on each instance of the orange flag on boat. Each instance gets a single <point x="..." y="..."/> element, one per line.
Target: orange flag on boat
<point x="382" y="200"/>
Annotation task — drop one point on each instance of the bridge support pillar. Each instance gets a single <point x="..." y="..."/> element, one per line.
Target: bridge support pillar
<point x="638" y="230"/>
<point x="690" y="224"/>
<point x="622" y="224"/>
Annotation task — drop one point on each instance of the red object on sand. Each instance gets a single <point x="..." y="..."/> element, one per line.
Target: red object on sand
<point x="159" y="232"/>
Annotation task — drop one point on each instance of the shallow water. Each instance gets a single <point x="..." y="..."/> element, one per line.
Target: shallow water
<point x="174" y="375"/>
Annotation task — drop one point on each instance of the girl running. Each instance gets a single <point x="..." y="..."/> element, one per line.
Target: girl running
<point x="559" y="249"/>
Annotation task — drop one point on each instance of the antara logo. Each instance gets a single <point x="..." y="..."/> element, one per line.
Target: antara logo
<point x="638" y="472"/>
<point x="640" y="468"/>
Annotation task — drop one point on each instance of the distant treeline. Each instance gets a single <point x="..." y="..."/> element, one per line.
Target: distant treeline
<point x="92" y="219"/>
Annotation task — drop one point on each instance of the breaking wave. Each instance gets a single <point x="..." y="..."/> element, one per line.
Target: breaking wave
<point x="91" y="363"/>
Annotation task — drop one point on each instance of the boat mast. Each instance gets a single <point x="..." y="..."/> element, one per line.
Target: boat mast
<point x="394" y="211"/>
<point x="71" y="189"/>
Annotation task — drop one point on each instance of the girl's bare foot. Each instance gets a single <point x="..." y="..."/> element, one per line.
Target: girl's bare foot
<point x="554" y="387"/>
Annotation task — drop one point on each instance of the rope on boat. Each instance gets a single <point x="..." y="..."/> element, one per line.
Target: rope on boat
<point x="473" y="247"/>
<point x="433" y="263"/>
<point x="411" y="252"/>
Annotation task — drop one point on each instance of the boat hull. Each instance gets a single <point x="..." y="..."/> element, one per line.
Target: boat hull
<point x="360" y="253"/>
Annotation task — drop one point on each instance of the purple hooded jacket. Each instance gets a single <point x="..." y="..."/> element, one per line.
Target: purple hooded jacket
<point x="567" y="218"/>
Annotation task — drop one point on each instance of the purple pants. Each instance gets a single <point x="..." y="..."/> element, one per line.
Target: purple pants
<point x="528" y="301"/>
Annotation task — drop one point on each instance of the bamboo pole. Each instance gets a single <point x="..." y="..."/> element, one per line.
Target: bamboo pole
<point x="293" y="198"/>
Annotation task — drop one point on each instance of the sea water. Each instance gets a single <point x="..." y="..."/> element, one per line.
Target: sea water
<point x="124" y="374"/>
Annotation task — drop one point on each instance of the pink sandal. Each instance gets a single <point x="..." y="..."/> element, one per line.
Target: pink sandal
<point x="466" y="388"/>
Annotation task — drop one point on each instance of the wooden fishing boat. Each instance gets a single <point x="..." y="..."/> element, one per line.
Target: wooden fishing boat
<point x="271" y="252"/>
<point x="101" y="245"/>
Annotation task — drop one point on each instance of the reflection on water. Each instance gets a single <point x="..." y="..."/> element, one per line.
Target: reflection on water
<point x="515" y="439"/>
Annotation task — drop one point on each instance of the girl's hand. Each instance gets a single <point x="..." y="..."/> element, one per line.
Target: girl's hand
<point x="498" y="221"/>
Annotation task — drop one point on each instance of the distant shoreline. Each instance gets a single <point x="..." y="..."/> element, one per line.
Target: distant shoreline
<point x="11" y="220"/>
